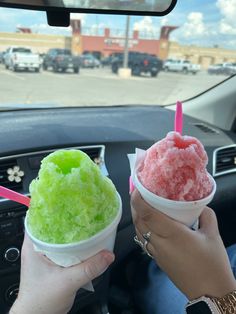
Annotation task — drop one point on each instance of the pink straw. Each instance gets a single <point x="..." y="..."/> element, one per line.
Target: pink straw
<point x="179" y="118"/>
<point x="14" y="196"/>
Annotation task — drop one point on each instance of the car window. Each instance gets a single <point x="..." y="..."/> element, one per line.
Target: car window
<point x="192" y="39"/>
<point x="21" y="50"/>
<point x="65" y="52"/>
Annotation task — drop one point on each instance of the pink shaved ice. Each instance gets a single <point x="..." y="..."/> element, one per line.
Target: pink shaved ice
<point x="175" y="168"/>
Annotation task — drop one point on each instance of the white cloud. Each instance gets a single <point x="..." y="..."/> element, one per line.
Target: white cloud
<point x="44" y="28"/>
<point x="194" y="27"/>
<point x="227" y="9"/>
<point x="197" y="29"/>
<point x="194" y="30"/>
<point x="96" y="29"/>
<point x="146" y="25"/>
<point x="232" y="43"/>
<point x="164" y="21"/>
<point x="226" y="28"/>
<point x="79" y="16"/>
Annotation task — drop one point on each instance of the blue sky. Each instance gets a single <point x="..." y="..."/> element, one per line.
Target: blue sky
<point x="201" y="22"/>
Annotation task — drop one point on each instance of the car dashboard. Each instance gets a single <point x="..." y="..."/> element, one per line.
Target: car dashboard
<point x="107" y="135"/>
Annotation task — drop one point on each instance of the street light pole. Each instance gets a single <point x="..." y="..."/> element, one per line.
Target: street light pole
<point x="126" y="48"/>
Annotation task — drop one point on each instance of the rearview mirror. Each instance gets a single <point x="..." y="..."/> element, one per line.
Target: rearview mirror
<point x="127" y="7"/>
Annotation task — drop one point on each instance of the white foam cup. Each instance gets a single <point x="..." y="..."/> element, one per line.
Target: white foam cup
<point x="186" y="212"/>
<point x="73" y="253"/>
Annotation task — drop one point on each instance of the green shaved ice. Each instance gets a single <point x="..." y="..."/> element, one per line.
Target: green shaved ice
<point x="70" y="200"/>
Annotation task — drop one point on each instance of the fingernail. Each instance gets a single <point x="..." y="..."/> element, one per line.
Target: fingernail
<point x="109" y="257"/>
<point x="131" y="185"/>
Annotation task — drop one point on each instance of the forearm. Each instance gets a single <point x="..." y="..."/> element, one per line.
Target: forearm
<point x="20" y="307"/>
<point x="224" y="284"/>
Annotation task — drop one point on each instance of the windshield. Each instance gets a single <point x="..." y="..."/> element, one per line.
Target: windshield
<point x="170" y="58"/>
<point x="64" y="51"/>
<point x="21" y="50"/>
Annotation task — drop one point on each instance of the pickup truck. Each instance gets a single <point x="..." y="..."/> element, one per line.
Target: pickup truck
<point x="138" y="63"/>
<point x="61" y="60"/>
<point x="20" y="58"/>
<point x="183" y="66"/>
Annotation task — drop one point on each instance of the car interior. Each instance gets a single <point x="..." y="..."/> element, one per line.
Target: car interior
<point x="107" y="134"/>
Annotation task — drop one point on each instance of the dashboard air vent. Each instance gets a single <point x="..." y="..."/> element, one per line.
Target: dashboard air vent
<point x="11" y="175"/>
<point x="224" y="160"/>
<point x="206" y="128"/>
<point x="94" y="153"/>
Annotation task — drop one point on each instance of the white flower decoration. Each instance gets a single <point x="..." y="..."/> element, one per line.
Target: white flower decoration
<point x="15" y="174"/>
<point x="98" y="161"/>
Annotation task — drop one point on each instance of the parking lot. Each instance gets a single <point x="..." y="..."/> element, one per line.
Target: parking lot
<point x="99" y="87"/>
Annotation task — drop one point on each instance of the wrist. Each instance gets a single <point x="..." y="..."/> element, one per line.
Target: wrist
<point x="27" y="306"/>
<point x="16" y="308"/>
<point x="224" y="288"/>
<point x="21" y="307"/>
<point x="215" y="290"/>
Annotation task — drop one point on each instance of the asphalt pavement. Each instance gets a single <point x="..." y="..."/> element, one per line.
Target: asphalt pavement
<point x="99" y="87"/>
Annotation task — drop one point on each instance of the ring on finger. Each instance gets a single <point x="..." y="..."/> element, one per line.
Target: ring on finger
<point x="145" y="249"/>
<point x="147" y="236"/>
<point x="137" y="241"/>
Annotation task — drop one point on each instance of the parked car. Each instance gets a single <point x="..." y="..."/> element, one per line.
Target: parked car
<point x="21" y="58"/>
<point x="183" y="66"/>
<point x="2" y="56"/>
<point x="232" y="70"/>
<point x="214" y="68"/>
<point x="89" y="61"/>
<point x="61" y="60"/>
<point x="41" y="57"/>
<point x="138" y="63"/>
<point x="222" y="68"/>
<point x="106" y="61"/>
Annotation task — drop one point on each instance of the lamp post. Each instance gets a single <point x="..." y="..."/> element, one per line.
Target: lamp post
<point x="125" y="72"/>
<point x="126" y="47"/>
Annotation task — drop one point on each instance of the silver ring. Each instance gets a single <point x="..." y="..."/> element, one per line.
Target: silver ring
<point x="147" y="236"/>
<point x="143" y="245"/>
<point x="146" y="249"/>
<point x="137" y="241"/>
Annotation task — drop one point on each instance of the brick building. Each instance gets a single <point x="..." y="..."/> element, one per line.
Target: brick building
<point x="106" y="43"/>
